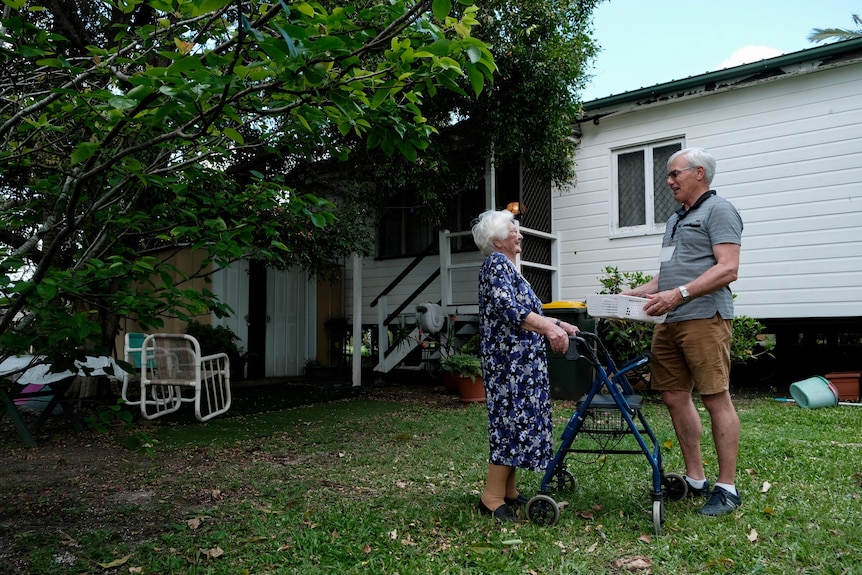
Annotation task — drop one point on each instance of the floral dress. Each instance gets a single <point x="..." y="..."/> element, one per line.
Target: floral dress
<point x="514" y="369"/>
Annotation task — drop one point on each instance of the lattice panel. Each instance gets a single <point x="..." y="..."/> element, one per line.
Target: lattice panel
<point x="540" y="280"/>
<point x="536" y="197"/>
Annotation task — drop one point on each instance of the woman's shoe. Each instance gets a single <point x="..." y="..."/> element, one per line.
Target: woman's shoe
<point x="519" y="501"/>
<point x="503" y="513"/>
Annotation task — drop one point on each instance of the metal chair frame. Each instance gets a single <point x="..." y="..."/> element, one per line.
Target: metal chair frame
<point x="175" y="373"/>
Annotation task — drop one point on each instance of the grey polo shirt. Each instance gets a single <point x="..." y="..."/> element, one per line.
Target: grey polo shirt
<point x="712" y="220"/>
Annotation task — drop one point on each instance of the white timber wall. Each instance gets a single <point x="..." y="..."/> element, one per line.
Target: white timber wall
<point x="789" y="157"/>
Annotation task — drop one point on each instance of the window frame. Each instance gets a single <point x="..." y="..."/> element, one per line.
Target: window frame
<point x="651" y="227"/>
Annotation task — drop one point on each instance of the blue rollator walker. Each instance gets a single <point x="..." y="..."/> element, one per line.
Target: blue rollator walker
<point x="608" y="412"/>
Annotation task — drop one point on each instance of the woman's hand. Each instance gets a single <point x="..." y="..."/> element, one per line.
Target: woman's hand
<point x="558" y="335"/>
<point x="557" y="331"/>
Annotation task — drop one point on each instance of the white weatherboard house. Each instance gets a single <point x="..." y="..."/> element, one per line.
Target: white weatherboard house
<point x="787" y="136"/>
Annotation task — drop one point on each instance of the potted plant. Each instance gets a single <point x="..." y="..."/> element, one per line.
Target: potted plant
<point x="465" y="367"/>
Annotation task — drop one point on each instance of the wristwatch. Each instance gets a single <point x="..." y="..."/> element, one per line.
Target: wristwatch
<point x="685" y="295"/>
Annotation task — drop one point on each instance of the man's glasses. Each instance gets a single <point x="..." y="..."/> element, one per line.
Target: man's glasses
<point x="673" y="174"/>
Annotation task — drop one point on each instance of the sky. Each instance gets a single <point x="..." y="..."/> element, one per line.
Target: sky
<point x="648" y="42"/>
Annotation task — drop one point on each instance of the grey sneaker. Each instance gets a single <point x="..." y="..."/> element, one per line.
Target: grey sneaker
<point x="720" y="502"/>
<point x="698" y="492"/>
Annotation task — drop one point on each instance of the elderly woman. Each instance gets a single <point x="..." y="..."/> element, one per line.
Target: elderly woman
<point x="514" y="364"/>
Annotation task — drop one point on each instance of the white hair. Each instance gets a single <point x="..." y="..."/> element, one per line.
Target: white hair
<point x="489" y="226"/>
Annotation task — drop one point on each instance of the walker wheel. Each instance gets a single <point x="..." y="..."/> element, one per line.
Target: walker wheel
<point x="543" y="510"/>
<point x="658" y="515"/>
<point x="674" y="486"/>
<point x="564" y="481"/>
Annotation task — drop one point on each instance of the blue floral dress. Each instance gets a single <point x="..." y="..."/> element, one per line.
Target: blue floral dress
<point x="514" y="369"/>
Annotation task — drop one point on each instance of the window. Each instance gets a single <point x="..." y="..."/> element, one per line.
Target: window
<point x="404" y="230"/>
<point x="642" y="201"/>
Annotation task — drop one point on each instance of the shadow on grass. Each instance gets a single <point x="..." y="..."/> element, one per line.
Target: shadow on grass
<point x="259" y="410"/>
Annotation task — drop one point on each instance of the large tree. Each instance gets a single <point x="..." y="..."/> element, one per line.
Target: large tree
<point x="542" y="49"/>
<point x="127" y="127"/>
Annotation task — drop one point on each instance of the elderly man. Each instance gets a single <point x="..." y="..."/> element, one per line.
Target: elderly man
<point x="691" y="350"/>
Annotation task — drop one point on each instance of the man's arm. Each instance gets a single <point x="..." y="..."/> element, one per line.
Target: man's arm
<point x="725" y="271"/>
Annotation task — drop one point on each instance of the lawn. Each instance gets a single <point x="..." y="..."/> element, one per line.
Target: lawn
<point x="387" y="482"/>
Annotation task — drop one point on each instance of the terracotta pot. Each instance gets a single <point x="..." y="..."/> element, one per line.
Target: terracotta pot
<point x="847" y="383"/>
<point x="471" y="390"/>
<point x="450" y="382"/>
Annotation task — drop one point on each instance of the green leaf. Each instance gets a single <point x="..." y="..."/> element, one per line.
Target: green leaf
<point x="200" y="7"/>
<point x="46" y="290"/>
<point x="83" y="152"/>
<point x="441" y="9"/>
<point x="233" y="135"/>
<point x="122" y="103"/>
<point x="477" y="79"/>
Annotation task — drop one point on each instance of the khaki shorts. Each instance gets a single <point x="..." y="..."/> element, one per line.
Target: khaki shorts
<point x="692" y="355"/>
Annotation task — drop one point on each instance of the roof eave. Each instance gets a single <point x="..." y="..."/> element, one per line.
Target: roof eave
<point x="745" y="70"/>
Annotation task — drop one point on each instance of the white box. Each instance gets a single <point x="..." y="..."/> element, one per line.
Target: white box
<point x="621" y="307"/>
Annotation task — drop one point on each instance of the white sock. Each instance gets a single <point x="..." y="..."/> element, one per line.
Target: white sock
<point x="696" y="483"/>
<point x="727" y="487"/>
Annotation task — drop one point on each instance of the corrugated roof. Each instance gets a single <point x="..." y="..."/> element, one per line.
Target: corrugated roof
<point x="835" y="50"/>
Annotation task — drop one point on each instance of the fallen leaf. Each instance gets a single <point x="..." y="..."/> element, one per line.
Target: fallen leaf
<point x="136" y="570"/>
<point x="645" y="538"/>
<point x="592" y="547"/>
<point x="585" y="514"/>
<point x="67" y="540"/>
<point x="751" y="471"/>
<point x="193" y="523"/>
<point x="752" y="535"/>
<point x="769" y="510"/>
<point x="766" y="486"/>
<point x="216" y="493"/>
<point x="393" y="535"/>
<point x="513" y="542"/>
<point x="212" y="553"/>
<point x="115" y="562"/>
<point x="633" y="563"/>
<point x="366" y="549"/>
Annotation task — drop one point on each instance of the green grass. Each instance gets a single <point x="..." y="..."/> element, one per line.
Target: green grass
<point x="369" y="486"/>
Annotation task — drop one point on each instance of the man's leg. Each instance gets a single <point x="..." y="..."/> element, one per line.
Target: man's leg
<point x="725" y="433"/>
<point x="688" y="428"/>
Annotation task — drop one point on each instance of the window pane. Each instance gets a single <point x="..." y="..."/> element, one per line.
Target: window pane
<point x="630" y="170"/>
<point x="663" y="204"/>
<point x="390" y="229"/>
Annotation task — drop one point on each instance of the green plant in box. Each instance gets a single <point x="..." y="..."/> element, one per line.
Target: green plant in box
<point x="627" y="339"/>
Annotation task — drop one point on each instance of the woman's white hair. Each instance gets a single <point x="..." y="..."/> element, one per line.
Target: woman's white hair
<point x="489" y="226"/>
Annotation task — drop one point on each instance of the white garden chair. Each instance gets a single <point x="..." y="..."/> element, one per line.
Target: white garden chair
<point x="176" y="373"/>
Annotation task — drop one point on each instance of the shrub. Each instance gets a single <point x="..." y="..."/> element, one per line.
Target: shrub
<point x="627" y="339"/>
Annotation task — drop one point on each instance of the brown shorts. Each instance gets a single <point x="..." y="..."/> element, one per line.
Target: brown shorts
<point x="693" y="354"/>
